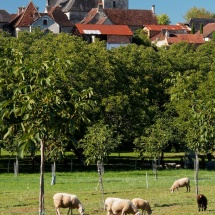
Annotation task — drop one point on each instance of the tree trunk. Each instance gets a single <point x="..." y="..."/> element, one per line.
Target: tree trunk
<point x="197" y="171"/>
<point x="41" y="197"/>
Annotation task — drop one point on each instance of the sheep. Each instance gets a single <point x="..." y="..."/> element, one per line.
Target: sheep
<point x="142" y="204"/>
<point x="65" y="200"/>
<point x="170" y="165"/>
<point x="178" y="166"/>
<point x="183" y="182"/>
<point x="117" y="206"/>
<point x="202" y="202"/>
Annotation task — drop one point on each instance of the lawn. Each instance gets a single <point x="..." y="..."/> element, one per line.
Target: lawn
<point x="20" y="195"/>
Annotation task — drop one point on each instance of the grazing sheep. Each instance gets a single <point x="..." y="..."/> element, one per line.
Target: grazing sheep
<point x="117" y="206"/>
<point x="142" y="204"/>
<point x="170" y="165"/>
<point x="202" y="202"/>
<point x="183" y="182"/>
<point x="65" y="200"/>
<point x="178" y="166"/>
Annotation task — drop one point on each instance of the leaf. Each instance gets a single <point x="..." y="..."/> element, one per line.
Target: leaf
<point x="8" y="132"/>
<point x="26" y="117"/>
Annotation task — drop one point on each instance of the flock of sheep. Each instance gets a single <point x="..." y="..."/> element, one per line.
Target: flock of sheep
<point x="114" y="206"/>
<point x="118" y="206"/>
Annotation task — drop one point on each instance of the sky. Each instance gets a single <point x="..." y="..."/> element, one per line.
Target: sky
<point x="175" y="9"/>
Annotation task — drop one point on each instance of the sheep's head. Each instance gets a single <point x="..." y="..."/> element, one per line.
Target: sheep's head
<point x="81" y="210"/>
<point x="172" y="190"/>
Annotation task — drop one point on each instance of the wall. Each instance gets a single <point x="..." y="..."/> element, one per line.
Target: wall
<point x="51" y="24"/>
<point x="120" y="4"/>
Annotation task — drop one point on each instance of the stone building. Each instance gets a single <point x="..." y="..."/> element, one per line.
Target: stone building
<point x="76" y="10"/>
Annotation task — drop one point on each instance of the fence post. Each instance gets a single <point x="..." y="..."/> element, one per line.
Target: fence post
<point x="53" y="168"/>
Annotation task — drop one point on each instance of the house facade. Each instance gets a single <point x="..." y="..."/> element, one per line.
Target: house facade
<point x="28" y="18"/>
<point x="154" y="31"/>
<point x="113" y="35"/>
<point x="168" y="38"/>
<point x="208" y="31"/>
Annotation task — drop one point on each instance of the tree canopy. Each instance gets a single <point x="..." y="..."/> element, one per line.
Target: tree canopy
<point x="195" y="12"/>
<point x="163" y="19"/>
<point x="58" y="88"/>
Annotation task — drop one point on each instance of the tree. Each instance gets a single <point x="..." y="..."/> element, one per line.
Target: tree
<point x="99" y="142"/>
<point x="141" y="38"/>
<point x="35" y="108"/>
<point x="163" y="19"/>
<point x="195" y="12"/>
<point x="155" y="139"/>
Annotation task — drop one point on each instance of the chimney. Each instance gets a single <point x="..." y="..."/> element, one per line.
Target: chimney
<point x="100" y="7"/>
<point x="167" y="33"/>
<point x="21" y="9"/>
<point x="153" y="9"/>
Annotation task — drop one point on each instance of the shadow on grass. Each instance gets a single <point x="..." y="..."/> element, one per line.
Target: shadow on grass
<point x="165" y="205"/>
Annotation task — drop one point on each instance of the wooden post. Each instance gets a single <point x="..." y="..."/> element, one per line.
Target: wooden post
<point x="196" y="166"/>
<point x="147" y="184"/>
<point x="100" y="173"/>
<point x="154" y="166"/>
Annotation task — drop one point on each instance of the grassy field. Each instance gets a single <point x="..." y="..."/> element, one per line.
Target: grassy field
<point x="20" y="195"/>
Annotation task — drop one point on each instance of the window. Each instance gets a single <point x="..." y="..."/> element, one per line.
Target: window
<point x="114" y="4"/>
<point x="45" y="21"/>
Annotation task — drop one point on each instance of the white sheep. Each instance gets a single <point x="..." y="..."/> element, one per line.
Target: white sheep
<point x="142" y="204"/>
<point x="65" y="200"/>
<point x="117" y="206"/>
<point x="183" y="182"/>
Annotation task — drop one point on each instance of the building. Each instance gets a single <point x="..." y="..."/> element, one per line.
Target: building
<point x="76" y="10"/>
<point x="114" y="35"/>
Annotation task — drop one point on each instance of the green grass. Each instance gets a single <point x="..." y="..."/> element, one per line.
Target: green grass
<point x="20" y="195"/>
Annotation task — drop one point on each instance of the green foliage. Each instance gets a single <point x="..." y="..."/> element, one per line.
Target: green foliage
<point x="195" y="12"/>
<point x="213" y="35"/>
<point x="99" y="142"/>
<point x="201" y="28"/>
<point x="46" y="82"/>
<point x="155" y="139"/>
<point x="193" y="31"/>
<point x="141" y="38"/>
<point x="34" y="105"/>
<point x="163" y="19"/>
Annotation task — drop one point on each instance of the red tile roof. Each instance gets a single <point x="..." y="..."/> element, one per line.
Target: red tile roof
<point x="90" y="16"/>
<point x="168" y="27"/>
<point x="56" y="14"/>
<point x="190" y="38"/>
<point x="208" y="29"/>
<point x="28" y="16"/>
<point x="131" y="17"/>
<point x="105" y="29"/>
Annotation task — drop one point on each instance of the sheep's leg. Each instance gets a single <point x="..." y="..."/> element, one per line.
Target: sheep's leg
<point x="70" y="210"/>
<point x="57" y="211"/>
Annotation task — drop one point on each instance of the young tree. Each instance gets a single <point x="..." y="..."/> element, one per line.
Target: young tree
<point x="155" y="139"/>
<point x="34" y="106"/>
<point x="99" y="142"/>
